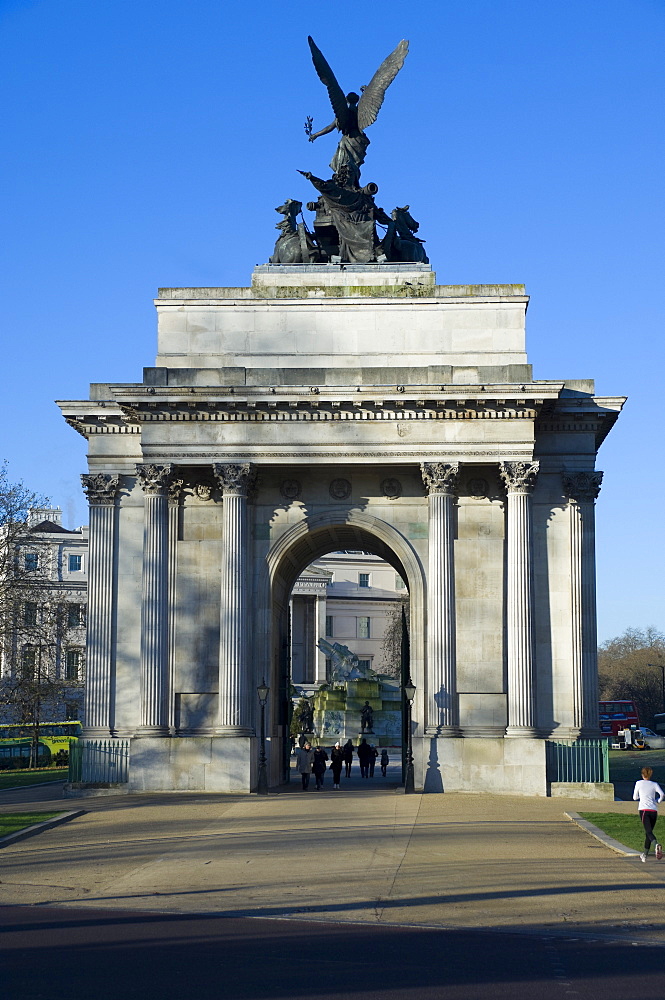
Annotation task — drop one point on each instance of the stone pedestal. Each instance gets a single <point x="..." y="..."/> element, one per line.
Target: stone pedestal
<point x="196" y="763"/>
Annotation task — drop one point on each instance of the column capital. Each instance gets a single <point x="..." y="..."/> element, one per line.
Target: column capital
<point x="175" y="488"/>
<point x="440" y="477"/>
<point x="100" y="489"/>
<point x="235" y="480"/>
<point x="519" y="477"/>
<point x="154" y="479"/>
<point x="583" y="487"/>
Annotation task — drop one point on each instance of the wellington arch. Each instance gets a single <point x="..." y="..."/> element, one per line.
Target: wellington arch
<point x="322" y="407"/>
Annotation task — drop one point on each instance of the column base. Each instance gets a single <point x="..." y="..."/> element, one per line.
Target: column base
<point x="233" y="731"/>
<point x="152" y="731"/>
<point x="96" y="733"/>
<point x="522" y="732"/>
<point x="450" y="732"/>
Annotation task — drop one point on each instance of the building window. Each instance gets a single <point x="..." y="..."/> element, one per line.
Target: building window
<point x="364" y="664"/>
<point x="72" y="664"/>
<point x="29" y="613"/>
<point x="75" y="615"/>
<point x="28" y="662"/>
<point x="399" y="582"/>
<point x="329" y="625"/>
<point x="363" y="579"/>
<point x="31" y="561"/>
<point x="74" y="564"/>
<point x="362" y="628"/>
<point x="71" y="711"/>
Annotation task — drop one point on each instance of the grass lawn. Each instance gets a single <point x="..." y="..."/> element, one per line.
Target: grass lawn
<point x="625" y="765"/>
<point x="15" y="779"/>
<point x="11" y="822"/>
<point x="626" y="829"/>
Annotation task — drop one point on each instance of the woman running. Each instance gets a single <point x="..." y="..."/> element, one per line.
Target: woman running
<point x="649" y="794"/>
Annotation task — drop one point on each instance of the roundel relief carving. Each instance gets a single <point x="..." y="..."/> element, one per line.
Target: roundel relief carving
<point x="478" y="488"/>
<point x="391" y="488"/>
<point x="340" y="489"/>
<point x="290" y="489"/>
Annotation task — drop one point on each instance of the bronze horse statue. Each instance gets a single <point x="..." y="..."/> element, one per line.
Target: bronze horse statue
<point x="400" y="244"/>
<point x="294" y="244"/>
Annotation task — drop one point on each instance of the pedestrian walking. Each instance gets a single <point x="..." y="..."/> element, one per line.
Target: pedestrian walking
<point x="347" y="750"/>
<point x="385" y="760"/>
<point x="336" y="764"/>
<point x="304" y="761"/>
<point x="319" y="766"/>
<point x="364" y="755"/>
<point x="648" y="794"/>
<point x="372" y="759"/>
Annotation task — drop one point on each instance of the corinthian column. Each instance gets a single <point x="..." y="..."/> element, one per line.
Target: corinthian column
<point x="234" y="709"/>
<point x="155" y="481"/>
<point x="101" y="491"/>
<point x="442" y="707"/>
<point x="520" y="479"/>
<point x="582" y="489"/>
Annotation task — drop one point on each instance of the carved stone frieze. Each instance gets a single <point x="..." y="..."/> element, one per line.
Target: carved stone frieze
<point x="519" y="477"/>
<point x="440" y="477"/>
<point x="290" y="489"/>
<point x="155" y="480"/>
<point x="101" y="489"/>
<point x="478" y="488"/>
<point x="391" y="488"/>
<point x="583" y="487"/>
<point x="235" y="480"/>
<point x="340" y="489"/>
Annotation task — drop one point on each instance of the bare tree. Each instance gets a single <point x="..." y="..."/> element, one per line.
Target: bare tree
<point x="31" y="625"/>
<point x="624" y="671"/>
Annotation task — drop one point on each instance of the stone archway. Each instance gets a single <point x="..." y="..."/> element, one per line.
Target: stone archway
<point x="289" y="556"/>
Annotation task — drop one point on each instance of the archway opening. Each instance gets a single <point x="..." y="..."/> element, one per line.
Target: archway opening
<point x="345" y="545"/>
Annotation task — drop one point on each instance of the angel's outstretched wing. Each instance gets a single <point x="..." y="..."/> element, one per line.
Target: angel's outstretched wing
<point x="327" y="77"/>
<point x="372" y="96"/>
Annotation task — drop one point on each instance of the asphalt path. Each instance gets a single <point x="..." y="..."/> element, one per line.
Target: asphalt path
<point x="87" y="953"/>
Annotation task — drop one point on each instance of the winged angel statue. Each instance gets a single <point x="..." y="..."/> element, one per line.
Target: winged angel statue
<point x="353" y="114"/>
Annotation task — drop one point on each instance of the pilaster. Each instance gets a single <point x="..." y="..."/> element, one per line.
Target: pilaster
<point x="235" y="482"/>
<point x="101" y="491"/>
<point x="519" y="479"/>
<point x="155" y="481"/>
<point x="582" y="489"/>
<point x="442" y="718"/>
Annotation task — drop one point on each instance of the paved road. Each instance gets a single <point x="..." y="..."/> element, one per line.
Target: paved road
<point x="82" y="954"/>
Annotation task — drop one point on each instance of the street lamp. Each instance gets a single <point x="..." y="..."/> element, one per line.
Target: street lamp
<point x="262" y="786"/>
<point x="662" y="667"/>
<point x="409" y="783"/>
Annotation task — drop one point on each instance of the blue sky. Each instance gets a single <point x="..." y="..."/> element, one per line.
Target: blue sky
<point x="146" y="143"/>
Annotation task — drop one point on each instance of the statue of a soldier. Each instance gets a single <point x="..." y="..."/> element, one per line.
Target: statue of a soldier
<point x="367" y="718"/>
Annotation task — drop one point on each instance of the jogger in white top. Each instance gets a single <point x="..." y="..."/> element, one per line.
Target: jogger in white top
<point x="649" y="793"/>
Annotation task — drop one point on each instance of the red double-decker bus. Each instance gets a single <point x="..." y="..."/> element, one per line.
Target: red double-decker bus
<point x="616" y="715"/>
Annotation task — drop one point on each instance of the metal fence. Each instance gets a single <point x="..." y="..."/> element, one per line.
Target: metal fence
<point x="581" y="760"/>
<point x="99" y="761"/>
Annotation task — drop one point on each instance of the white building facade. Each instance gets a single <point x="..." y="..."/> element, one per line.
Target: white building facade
<point x="324" y="409"/>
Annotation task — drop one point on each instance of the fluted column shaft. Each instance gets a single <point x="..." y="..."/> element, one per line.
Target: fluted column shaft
<point x="582" y="488"/>
<point x="234" y="709"/>
<point x="174" y="499"/>
<point x="519" y="478"/>
<point x="155" y="481"/>
<point x="101" y="491"/>
<point x="442" y="704"/>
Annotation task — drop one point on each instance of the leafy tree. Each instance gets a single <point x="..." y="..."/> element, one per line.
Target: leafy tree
<point x="391" y="647"/>
<point x="623" y="670"/>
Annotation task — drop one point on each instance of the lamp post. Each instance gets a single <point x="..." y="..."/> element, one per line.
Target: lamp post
<point x="409" y="783"/>
<point x="662" y="667"/>
<point x="262" y="786"/>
